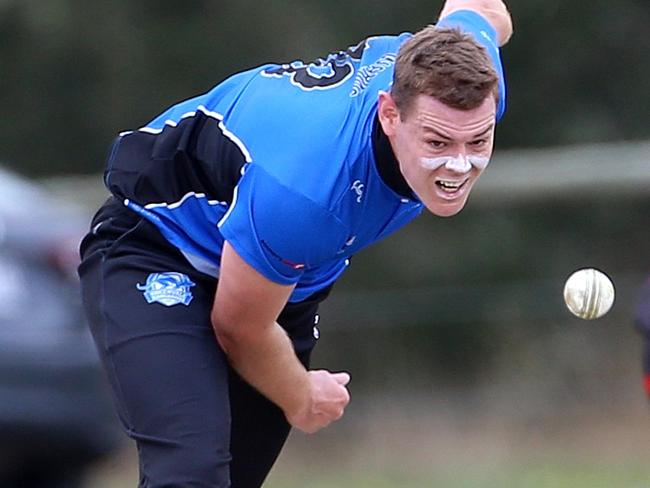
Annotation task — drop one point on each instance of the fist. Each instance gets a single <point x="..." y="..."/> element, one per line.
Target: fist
<point x="326" y="401"/>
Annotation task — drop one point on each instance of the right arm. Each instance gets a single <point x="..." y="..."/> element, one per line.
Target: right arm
<point x="244" y="314"/>
<point x="495" y="11"/>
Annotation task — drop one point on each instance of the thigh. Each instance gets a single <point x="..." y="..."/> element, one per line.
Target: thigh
<point x="259" y="427"/>
<point x="168" y="376"/>
<point x="196" y="422"/>
<point x="259" y="430"/>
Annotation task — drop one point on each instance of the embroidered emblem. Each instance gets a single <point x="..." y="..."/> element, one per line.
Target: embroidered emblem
<point x="357" y="187"/>
<point x="167" y="288"/>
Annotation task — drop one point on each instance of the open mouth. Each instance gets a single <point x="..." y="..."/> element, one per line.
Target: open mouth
<point x="451" y="187"/>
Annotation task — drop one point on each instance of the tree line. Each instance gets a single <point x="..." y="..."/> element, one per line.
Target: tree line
<point x="76" y="73"/>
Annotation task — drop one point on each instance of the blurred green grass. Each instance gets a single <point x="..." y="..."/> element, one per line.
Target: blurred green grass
<point x="421" y="441"/>
<point x="547" y="475"/>
<point x="540" y="476"/>
<point x="609" y="450"/>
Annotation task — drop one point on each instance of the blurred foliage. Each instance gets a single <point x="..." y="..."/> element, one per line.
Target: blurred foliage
<point x="75" y="73"/>
<point x="454" y="300"/>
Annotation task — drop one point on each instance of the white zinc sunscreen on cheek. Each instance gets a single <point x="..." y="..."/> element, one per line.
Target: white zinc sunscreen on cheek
<point x="459" y="164"/>
<point x="434" y="163"/>
<point x="479" y="162"/>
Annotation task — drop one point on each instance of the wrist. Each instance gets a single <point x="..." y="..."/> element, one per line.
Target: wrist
<point x="298" y="402"/>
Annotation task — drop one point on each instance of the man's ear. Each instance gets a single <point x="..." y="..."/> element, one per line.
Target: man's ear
<point x="388" y="113"/>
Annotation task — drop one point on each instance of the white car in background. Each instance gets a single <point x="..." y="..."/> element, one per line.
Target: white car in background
<point x="55" y="417"/>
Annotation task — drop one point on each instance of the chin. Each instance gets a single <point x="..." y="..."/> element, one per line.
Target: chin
<point x="445" y="209"/>
<point x="445" y="212"/>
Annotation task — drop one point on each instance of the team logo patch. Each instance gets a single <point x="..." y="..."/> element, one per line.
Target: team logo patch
<point x="167" y="288"/>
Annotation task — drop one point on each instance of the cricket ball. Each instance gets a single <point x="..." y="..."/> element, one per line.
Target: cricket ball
<point x="589" y="293"/>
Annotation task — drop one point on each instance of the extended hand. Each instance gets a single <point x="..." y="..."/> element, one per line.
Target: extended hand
<point x="326" y="402"/>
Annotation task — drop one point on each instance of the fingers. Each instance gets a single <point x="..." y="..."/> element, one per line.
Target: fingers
<point x="327" y="404"/>
<point x="325" y="418"/>
<point x="342" y="378"/>
<point x="334" y="405"/>
<point x="338" y="413"/>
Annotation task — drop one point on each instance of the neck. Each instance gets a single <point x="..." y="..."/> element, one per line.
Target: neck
<point x="387" y="164"/>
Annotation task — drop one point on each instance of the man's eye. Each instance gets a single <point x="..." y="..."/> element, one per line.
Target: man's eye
<point x="478" y="142"/>
<point x="437" y="144"/>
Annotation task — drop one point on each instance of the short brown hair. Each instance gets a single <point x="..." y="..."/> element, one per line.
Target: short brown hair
<point x="445" y="64"/>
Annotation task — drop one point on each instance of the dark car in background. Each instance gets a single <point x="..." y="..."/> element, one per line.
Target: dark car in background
<point x="55" y="417"/>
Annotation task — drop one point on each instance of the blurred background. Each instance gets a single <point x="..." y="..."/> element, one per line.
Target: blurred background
<point x="467" y="370"/>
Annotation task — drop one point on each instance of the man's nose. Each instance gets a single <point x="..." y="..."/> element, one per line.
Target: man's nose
<point x="459" y="164"/>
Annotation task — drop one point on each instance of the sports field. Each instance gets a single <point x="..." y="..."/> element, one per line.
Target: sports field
<point x="401" y="446"/>
<point x="573" y="453"/>
<point x="538" y="476"/>
<point x="551" y="474"/>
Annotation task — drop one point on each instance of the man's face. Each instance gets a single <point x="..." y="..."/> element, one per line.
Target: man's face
<point x="441" y="150"/>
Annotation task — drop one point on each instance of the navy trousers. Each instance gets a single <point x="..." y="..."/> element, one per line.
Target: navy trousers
<point x="195" y="422"/>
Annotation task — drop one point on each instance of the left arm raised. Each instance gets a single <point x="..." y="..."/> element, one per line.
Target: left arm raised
<point x="495" y="11"/>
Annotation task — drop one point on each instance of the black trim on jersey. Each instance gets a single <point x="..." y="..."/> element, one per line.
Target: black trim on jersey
<point x="387" y="164"/>
<point x="193" y="156"/>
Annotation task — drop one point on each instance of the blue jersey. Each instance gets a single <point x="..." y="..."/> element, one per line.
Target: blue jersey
<point x="282" y="161"/>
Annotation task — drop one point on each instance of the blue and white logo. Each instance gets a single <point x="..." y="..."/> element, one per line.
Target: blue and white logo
<point x="357" y="187"/>
<point x="167" y="288"/>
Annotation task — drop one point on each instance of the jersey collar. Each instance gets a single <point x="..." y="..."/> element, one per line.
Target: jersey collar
<point x="386" y="163"/>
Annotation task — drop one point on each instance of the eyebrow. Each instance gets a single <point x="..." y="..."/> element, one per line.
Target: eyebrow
<point x="447" y="138"/>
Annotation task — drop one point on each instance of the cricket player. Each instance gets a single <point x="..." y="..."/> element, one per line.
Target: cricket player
<point x="234" y="212"/>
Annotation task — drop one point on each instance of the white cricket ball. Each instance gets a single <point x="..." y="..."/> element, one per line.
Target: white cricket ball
<point x="589" y="293"/>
